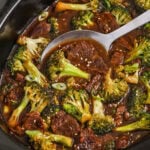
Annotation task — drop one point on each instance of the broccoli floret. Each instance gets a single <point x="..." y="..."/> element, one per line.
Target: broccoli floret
<point x="109" y="3"/>
<point x="113" y="89"/>
<point x="76" y="103"/>
<point x="109" y="145"/>
<point x="129" y="73"/>
<point x="47" y="140"/>
<point x="49" y="111"/>
<point x="140" y="50"/>
<point x="84" y="19"/>
<point x="121" y="14"/>
<point x="59" y="66"/>
<point x="142" y="124"/>
<point x="15" y="64"/>
<point x="136" y="102"/>
<point x="146" y="80"/>
<point x="92" y="5"/>
<point x="131" y="68"/>
<point x="34" y="95"/>
<point x="35" y="46"/>
<point x="100" y="123"/>
<point x="147" y="26"/>
<point x="34" y="74"/>
<point x="147" y="29"/>
<point x="54" y="26"/>
<point x="144" y="4"/>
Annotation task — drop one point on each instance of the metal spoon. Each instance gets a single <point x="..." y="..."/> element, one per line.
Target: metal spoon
<point x="104" y="39"/>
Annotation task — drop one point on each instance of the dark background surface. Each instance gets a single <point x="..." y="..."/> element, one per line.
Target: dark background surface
<point x="10" y="28"/>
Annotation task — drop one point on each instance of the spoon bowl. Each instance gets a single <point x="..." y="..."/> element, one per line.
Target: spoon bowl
<point x="104" y="39"/>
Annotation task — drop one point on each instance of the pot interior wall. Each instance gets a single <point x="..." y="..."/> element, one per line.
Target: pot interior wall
<point x="12" y="23"/>
<point x="15" y="15"/>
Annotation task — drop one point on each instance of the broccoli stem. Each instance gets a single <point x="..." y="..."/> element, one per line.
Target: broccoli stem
<point x="13" y="121"/>
<point x="35" y="74"/>
<point x="38" y="135"/>
<point x="40" y="106"/>
<point x="66" y="141"/>
<point x="72" y="70"/>
<point x="61" y="6"/>
<point x="148" y="93"/>
<point x="133" y="55"/>
<point x="142" y="124"/>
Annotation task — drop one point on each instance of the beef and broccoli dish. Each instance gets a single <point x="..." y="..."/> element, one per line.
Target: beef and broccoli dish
<point x="82" y="97"/>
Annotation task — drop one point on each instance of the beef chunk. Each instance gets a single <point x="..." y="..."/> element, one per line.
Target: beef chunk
<point x="64" y="124"/>
<point x="41" y="30"/>
<point x="87" y="56"/>
<point x="33" y="121"/>
<point x="122" y="142"/>
<point x="117" y="58"/>
<point x="14" y="94"/>
<point x="88" y="141"/>
<point x="94" y="83"/>
<point x="20" y="77"/>
<point x="121" y="110"/>
<point x="106" y="22"/>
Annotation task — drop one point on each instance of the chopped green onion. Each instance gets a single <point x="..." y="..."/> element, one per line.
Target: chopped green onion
<point x="59" y="86"/>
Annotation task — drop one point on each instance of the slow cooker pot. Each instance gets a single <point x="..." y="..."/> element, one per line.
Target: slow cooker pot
<point x="15" y="15"/>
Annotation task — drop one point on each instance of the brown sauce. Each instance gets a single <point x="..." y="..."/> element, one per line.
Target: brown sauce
<point x="89" y="56"/>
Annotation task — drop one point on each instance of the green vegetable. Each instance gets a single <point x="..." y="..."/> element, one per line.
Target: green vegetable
<point x="35" y="46"/>
<point x="144" y="4"/>
<point x="113" y="89"/>
<point x="83" y="19"/>
<point x="136" y="102"/>
<point x="15" y="64"/>
<point x="142" y="124"/>
<point x="121" y="14"/>
<point x="47" y="140"/>
<point x="100" y="123"/>
<point x="130" y="73"/>
<point x="54" y="26"/>
<point x="34" y="95"/>
<point x="146" y="81"/>
<point x="59" y="86"/>
<point x="141" y="50"/>
<point x="43" y="16"/>
<point x="25" y="58"/>
<point x="92" y="5"/>
<point x="109" y="145"/>
<point x="59" y="66"/>
<point x="76" y="103"/>
<point x="108" y="4"/>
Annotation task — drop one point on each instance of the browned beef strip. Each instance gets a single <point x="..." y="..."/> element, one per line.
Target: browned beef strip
<point x="86" y="56"/>
<point x="117" y="58"/>
<point x="41" y="30"/>
<point x="106" y="22"/>
<point x="88" y="141"/>
<point x="20" y="77"/>
<point x="122" y="142"/>
<point x="33" y="121"/>
<point x="94" y="84"/>
<point x="15" y="94"/>
<point x="64" y="124"/>
<point x="119" y="117"/>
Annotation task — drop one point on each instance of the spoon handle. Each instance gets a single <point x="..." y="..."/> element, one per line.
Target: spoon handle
<point x="135" y="23"/>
